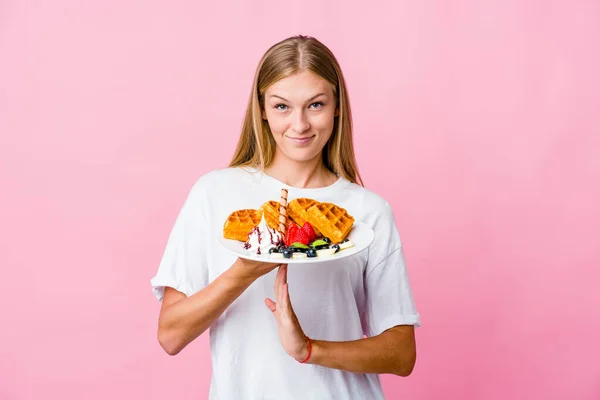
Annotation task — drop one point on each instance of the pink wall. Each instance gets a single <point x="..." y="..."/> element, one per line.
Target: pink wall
<point x="479" y="122"/>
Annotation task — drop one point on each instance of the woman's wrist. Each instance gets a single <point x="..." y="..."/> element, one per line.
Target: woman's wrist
<point x="240" y="274"/>
<point x="306" y="353"/>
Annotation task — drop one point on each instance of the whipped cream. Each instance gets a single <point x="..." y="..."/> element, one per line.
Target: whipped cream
<point x="262" y="238"/>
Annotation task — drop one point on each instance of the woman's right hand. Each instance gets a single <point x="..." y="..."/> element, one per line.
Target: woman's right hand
<point x="249" y="269"/>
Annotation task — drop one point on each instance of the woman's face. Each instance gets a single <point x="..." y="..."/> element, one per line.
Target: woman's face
<point x="300" y="110"/>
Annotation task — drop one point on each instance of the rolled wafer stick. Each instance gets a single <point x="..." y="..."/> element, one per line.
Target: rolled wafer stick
<point x="283" y="212"/>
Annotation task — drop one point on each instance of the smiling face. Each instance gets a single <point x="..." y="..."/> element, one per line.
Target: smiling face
<point x="301" y="111"/>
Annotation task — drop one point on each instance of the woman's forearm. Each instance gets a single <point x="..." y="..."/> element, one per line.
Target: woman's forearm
<point x="186" y="319"/>
<point x="392" y="352"/>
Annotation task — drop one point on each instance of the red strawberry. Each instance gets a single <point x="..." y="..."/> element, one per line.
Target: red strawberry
<point x="290" y="224"/>
<point x="301" y="236"/>
<point x="291" y="233"/>
<point x="307" y="227"/>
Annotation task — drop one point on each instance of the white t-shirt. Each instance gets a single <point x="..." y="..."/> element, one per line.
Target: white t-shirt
<point x="342" y="300"/>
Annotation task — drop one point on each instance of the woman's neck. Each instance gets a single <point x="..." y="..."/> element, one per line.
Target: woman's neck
<point x="306" y="174"/>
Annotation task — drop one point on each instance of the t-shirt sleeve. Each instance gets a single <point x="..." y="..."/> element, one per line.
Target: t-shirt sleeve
<point x="183" y="266"/>
<point x="389" y="297"/>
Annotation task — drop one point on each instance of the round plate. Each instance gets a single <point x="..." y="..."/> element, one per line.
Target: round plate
<point x="361" y="235"/>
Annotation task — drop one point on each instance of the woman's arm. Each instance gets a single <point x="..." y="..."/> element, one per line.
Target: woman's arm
<point x="182" y="319"/>
<point x="392" y="352"/>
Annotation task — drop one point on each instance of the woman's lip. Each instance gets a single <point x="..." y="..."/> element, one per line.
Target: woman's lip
<point x="301" y="140"/>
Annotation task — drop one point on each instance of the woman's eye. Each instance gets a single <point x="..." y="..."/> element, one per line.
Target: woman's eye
<point x="316" y="105"/>
<point x="281" y="107"/>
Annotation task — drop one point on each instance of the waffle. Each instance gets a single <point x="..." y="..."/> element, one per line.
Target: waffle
<point x="271" y="211"/>
<point x="239" y="224"/>
<point x="334" y="222"/>
<point x="297" y="211"/>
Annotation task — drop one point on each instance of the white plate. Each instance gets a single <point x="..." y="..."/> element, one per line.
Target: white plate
<point x="361" y="235"/>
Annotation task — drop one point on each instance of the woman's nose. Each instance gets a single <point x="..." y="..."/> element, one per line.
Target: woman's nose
<point x="300" y="123"/>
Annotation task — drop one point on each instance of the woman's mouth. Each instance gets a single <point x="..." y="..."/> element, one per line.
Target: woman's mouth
<point x="301" y="141"/>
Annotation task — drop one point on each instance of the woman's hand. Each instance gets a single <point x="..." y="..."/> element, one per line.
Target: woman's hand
<point x="291" y="335"/>
<point x="252" y="270"/>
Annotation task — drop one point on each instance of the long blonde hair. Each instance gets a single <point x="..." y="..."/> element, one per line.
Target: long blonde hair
<point x="256" y="146"/>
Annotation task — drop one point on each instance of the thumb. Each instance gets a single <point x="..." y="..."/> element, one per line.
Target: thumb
<point x="271" y="304"/>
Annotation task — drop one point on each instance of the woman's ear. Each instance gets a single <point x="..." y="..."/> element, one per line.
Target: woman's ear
<point x="337" y="112"/>
<point x="263" y="114"/>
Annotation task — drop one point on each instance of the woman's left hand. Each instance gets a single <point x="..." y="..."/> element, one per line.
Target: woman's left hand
<point x="291" y="335"/>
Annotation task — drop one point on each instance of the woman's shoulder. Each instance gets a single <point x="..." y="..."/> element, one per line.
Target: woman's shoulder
<point x="370" y="207"/>
<point x="222" y="177"/>
<point x="215" y="189"/>
<point x="368" y="200"/>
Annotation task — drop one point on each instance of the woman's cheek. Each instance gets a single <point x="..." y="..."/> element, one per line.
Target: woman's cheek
<point x="277" y="127"/>
<point x="323" y="120"/>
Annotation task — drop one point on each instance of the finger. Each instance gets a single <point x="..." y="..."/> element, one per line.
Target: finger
<point x="271" y="304"/>
<point x="279" y="293"/>
<point x="278" y="278"/>
<point x="276" y="286"/>
<point x="282" y="279"/>
<point x="285" y="269"/>
<point x="286" y="303"/>
<point x="286" y="294"/>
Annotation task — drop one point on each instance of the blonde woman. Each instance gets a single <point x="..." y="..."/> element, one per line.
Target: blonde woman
<point x="341" y="323"/>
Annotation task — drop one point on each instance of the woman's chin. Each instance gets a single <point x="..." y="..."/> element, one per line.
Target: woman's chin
<point x="301" y="156"/>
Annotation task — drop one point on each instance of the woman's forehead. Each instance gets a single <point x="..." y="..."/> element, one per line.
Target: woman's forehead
<point x="299" y="87"/>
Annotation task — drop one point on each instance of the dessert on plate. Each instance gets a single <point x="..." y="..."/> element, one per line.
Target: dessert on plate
<point x="262" y="238"/>
<point x="298" y="208"/>
<point x="239" y="223"/>
<point x="302" y="228"/>
<point x="270" y="210"/>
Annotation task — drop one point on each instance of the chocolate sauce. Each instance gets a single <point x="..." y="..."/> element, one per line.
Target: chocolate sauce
<point x="247" y="245"/>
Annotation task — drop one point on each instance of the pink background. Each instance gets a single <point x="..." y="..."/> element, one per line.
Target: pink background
<point x="479" y="121"/>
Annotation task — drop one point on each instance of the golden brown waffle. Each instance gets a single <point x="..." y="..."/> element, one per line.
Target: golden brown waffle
<point x="334" y="222"/>
<point x="297" y="211"/>
<point x="271" y="210"/>
<point x="239" y="224"/>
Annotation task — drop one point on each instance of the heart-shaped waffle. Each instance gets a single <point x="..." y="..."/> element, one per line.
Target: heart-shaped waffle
<point x="298" y="211"/>
<point x="271" y="211"/>
<point x="332" y="221"/>
<point x="239" y="224"/>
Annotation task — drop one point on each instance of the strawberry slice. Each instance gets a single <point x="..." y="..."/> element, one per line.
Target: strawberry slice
<point x="291" y="233"/>
<point x="301" y="236"/>
<point x="290" y="224"/>
<point x="307" y="227"/>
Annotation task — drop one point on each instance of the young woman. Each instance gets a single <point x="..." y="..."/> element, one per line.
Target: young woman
<point x="330" y="328"/>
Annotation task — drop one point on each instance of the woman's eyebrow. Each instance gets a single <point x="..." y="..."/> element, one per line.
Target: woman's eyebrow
<point x="311" y="99"/>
